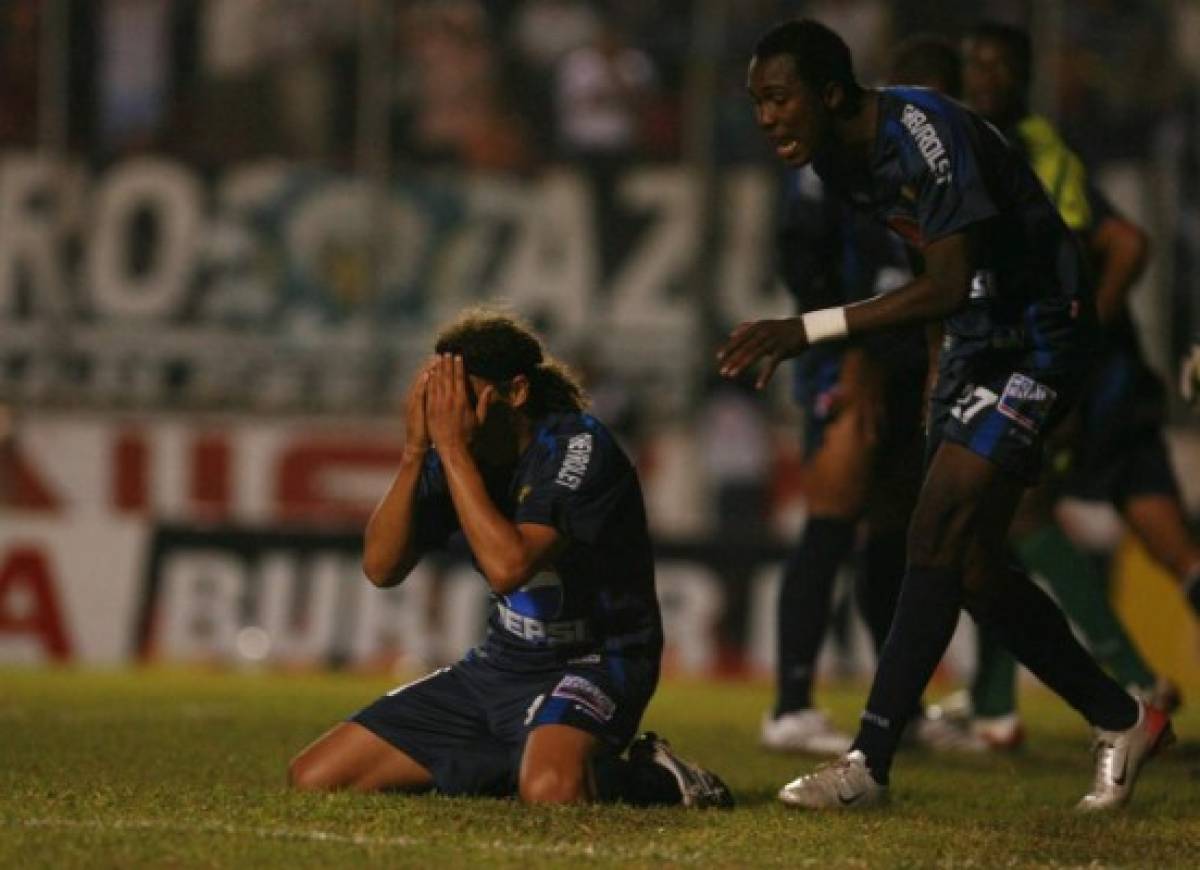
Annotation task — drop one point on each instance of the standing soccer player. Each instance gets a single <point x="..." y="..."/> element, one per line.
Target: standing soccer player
<point x="862" y="406"/>
<point x="497" y="448"/>
<point x="1003" y="274"/>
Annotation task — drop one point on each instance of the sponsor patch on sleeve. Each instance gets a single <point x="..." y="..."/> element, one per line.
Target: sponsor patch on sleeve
<point x="1026" y="402"/>
<point x="587" y="696"/>
<point x="575" y="463"/>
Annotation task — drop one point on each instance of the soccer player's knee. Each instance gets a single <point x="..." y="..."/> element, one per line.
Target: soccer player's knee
<point x="304" y="774"/>
<point x="551" y="785"/>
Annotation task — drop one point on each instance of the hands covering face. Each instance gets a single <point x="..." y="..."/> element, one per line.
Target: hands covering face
<point x="452" y="413"/>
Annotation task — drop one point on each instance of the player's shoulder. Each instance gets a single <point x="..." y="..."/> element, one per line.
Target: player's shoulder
<point x="1043" y="144"/>
<point x="928" y="132"/>
<point x="914" y="106"/>
<point x="559" y="432"/>
<point x="579" y="446"/>
<point x="1038" y="132"/>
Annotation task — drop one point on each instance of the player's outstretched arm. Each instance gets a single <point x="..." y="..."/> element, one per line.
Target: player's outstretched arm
<point x="942" y="289"/>
<point x="508" y="553"/>
<point x="389" y="550"/>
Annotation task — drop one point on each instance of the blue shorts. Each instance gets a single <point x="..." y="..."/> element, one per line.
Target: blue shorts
<point x="1001" y="390"/>
<point x="467" y="724"/>
<point x="1002" y="406"/>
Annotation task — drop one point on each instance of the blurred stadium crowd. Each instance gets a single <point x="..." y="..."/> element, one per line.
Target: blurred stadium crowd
<point x="509" y="85"/>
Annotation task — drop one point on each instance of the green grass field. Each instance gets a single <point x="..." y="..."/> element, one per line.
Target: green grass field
<point x="186" y="769"/>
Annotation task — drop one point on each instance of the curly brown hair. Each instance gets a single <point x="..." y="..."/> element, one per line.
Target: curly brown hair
<point x="497" y="345"/>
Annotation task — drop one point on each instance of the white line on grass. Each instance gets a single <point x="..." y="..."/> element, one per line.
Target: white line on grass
<point x="651" y="851"/>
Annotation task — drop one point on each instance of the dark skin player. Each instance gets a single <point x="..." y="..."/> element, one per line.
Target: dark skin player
<point x="964" y="510"/>
<point x="926" y="172"/>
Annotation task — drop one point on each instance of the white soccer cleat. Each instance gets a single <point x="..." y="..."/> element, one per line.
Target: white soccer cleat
<point x="1120" y="756"/>
<point x="840" y="785"/>
<point x="951" y="725"/>
<point x="1164" y="694"/>
<point x="999" y="733"/>
<point x="939" y="732"/>
<point x="957" y="705"/>
<point x="699" y="788"/>
<point x="807" y="730"/>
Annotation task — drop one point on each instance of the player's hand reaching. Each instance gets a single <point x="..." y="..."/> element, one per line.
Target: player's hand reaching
<point x="768" y="341"/>
<point x="451" y="413"/>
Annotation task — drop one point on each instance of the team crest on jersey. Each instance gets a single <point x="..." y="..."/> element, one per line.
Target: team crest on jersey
<point x="587" y="696"/>
<point x="928" y="142"/>
<point x="523" y="493"/>
<point x="575" y="463"/>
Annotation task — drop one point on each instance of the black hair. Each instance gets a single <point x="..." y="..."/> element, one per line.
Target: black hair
<point x="928" y="59"/>
<point x="497" y="346"/>
<point x="821" y="56"/>
<point x="1014" y="40"/>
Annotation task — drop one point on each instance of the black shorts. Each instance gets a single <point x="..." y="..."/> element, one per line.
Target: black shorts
<point x="467" y="724"/>
<point x="1001" y="407"/>
<point x="1141" y="468"/>
<point x="1119" y="452"/>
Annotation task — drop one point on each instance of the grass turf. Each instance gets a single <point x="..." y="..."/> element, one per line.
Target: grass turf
<point x="153" y="768"/>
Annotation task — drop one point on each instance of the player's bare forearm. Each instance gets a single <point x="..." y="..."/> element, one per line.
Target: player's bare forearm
<point x="923" y="300"/>
<point x="389" y="551"/>
<point x="939" y="290"/>
<point x="930" y="297"/>
<point x="1122" y="251"/>
<point x="508" y="554"/>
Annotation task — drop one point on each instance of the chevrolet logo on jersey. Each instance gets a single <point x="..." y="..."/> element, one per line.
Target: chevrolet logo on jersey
<point x="928" y="142"/>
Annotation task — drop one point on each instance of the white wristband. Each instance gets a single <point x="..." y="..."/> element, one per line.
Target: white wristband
<point x="825" y="325"/>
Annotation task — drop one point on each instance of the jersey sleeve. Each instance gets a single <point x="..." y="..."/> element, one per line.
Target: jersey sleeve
<point x="434" y="517"/>
<point x="942" y="167"/>
<point x="576" y="486"/>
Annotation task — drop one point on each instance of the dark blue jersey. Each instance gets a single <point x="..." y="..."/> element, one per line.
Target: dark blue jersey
<point x="599" y="596"/>
<point x="937" y="169"/>
<point x="830" y="254"/>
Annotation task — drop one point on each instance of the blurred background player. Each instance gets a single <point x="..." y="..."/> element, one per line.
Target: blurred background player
<point x="1112" y="449"/>
<point x="863" y="406"/>
<point x="497" y="448"/>
<point x="999" y="270"/>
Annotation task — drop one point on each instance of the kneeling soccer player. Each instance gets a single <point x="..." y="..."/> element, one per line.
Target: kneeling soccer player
<point x="498" y="448"/>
